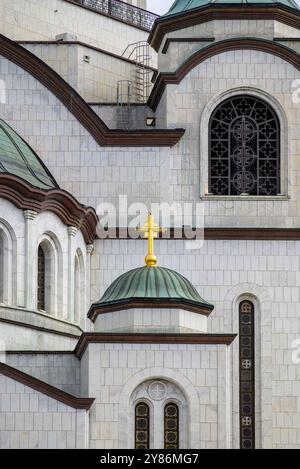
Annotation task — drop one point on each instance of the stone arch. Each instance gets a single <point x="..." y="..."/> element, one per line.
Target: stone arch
<point x="170" y="393"/>
<point x="204" y="132"/>
<point x="259" y="296"/>
<point x="8" y="267"/>
<point x="165" y="374"/>
<point x="53" y="273"/>
<point x="79" y="286"/>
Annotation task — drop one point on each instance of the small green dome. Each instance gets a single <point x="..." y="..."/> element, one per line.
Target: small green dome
<point x="153" y="287"/>
<point x="18" y="159"/>
<point x="181" y="6"/>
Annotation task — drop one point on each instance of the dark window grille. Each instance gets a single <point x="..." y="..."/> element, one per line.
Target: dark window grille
<point x="244" y="148"/>
<point x="41" y="280"/>
<point x="171" y="421"/>
<point x="2" y="270"/>
<point x="247" y="375"/>
<point x="122" y="11"/>
<point x="142" y="423"/>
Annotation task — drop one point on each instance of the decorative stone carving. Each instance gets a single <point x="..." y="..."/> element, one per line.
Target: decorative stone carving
<point x="157" y="390"/>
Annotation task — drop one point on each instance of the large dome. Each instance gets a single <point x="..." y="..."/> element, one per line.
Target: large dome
<point x="181" y="6"/>
<point x="152" y="287"/>
<point x="18" y="159"/>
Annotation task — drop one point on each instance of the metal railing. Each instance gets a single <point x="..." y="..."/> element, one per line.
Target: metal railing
<point x="122" y="11"/>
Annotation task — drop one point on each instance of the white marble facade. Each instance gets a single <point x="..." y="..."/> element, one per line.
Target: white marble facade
<point x="202" y="379"/>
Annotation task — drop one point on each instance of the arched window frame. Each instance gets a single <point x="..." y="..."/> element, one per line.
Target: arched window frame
<point x="175" y="395"/>
<point x="53" y="274"/>
<point x="247" y="370"/>
<point x="41" y="274"/>
<point x="237" y="124"/>
<point x="79" y="286"/>
<point x="8" y="268"/>
<point x="204" y="141"/>
<point x="139" y="445"/>
<point x="167" y="444"/>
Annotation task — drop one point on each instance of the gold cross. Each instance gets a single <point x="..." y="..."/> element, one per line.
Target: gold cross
<point x="151" y="231"/>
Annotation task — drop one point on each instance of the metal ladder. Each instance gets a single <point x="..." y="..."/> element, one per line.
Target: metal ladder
<point x="139" y="52"/>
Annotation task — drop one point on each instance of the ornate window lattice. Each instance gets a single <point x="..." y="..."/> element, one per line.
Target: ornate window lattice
<point x="244" y="148"/>
<point x="41" y="280"/>
<point x="142" y="422"/>
<point x="171" y="426"/>
<point x="247" y="380"/>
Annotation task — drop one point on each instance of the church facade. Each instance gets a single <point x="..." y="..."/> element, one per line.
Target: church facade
<point x="108" y="112"/>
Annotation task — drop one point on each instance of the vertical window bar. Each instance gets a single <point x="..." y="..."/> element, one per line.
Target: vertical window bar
<point x="247" y="375"/>
<point x="171" y="424"/>
<point x="41" y="280"/>
<point x="142" y="424"/>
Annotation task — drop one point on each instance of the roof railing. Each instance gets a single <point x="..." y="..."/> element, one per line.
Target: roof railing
<point x="122" y="11"/>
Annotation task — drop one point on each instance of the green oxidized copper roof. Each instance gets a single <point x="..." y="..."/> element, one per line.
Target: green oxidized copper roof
<point x="181" y="6"/>
<point x="152" y="284"/>
<point x="18" y="159"/>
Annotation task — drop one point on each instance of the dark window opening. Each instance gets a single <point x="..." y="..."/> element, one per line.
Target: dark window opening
<point x="244" y="148"/>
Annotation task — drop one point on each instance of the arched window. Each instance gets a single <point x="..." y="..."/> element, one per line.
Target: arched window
<point x="171" y="426"/>
<point x="79" y="284"/>
<point x="8" y="265"/>
<point x="48" y="277"/>
<point x="41" y="284"/>
<point x="244" y="148"/>
<point x="247" y="375"/>
<point x="142" y="424"/>
<point x="2" y="261"/>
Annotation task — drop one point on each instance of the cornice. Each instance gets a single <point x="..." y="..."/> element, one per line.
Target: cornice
<point x="165" y="25"/>
<point x="216" y="48"/>
<point x="159" y="303"/>
<point x="134" y="338"/>
<point x="60" y="202"/>
<point x="250" y="234"/>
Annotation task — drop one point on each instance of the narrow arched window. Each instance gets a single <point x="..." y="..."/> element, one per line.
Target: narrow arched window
<point x="2" y="263"/>
<point x="171" y="426"/>
<point x="41" y="280"/>
<point x="247" y="375"/>
<point x="77" y="292"/>
<point x="244" y="148"/>
<point x="142" y="426"/>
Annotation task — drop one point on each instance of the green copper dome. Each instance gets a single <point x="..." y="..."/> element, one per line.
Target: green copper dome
<point x="18" y="159"/>
<point x="181" y="6"/>
<point x="152" y="286"/>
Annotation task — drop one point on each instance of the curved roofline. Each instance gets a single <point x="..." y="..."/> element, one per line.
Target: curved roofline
<point x="62" y="203"/>
<point x="262" y="45"/>
<point x="206" y="3"/>
<point x="78" y="107"/>
<point x="55" y="185"/>
<point x="166" y="24"/>
<point x="150" y="287"/>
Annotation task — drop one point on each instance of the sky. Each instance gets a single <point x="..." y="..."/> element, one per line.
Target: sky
<point x="159" y="6"/>
<point x="162" y="6"/>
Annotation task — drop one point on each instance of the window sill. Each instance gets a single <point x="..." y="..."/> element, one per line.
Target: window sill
<point x="248" y="198"/>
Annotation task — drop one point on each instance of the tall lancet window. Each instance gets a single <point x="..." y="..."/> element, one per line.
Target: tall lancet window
<point x="247" y="375"/>
<point x="2" y="268"/>
<point x="171" y="421"/>
<point x="41" y="280"/>
<point x="142" y="426"/>
<point x="244" y="148"/>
